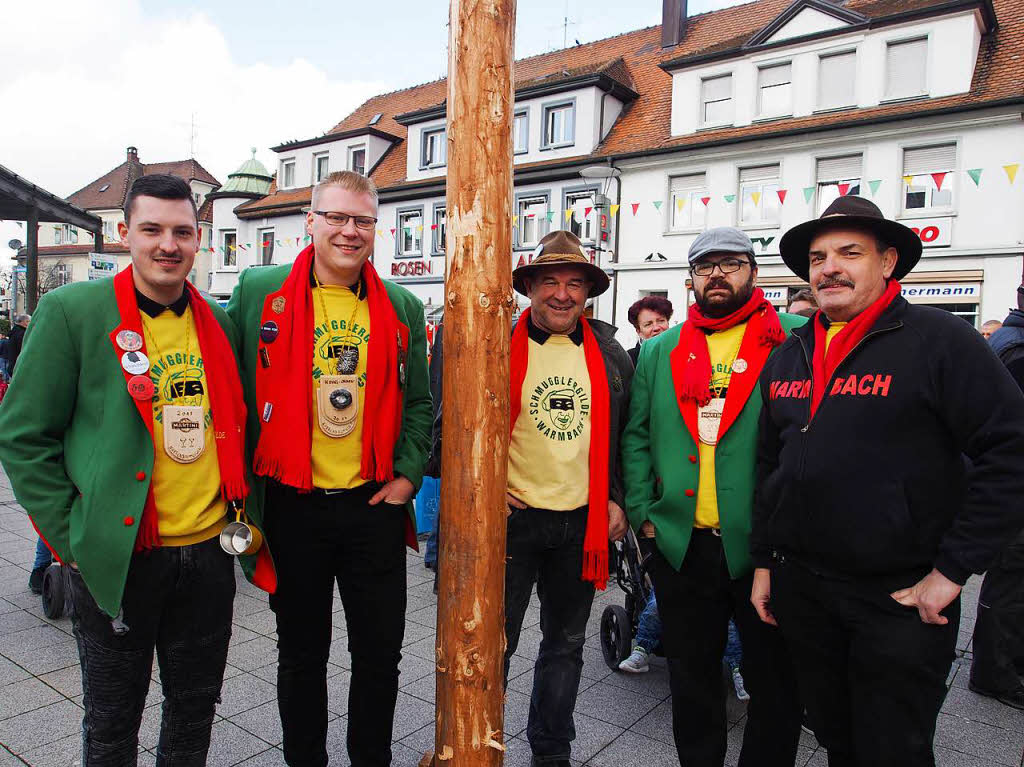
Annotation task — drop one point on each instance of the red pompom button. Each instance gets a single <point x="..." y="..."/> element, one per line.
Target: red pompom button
<point x="140" y="476"/>
<point x="690" y="494"/>
<point x="693" y="459"/>
<point x="129" y="521"/>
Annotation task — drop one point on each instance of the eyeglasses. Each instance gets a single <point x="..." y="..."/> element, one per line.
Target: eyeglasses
<point x="725" y="266"/>
<point x="340" y="219"/>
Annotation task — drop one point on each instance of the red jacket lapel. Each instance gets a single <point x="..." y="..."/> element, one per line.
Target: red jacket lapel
<point x="742" y="382"/>
<point x="128" y="308"/>
<point x="687" y="407"/>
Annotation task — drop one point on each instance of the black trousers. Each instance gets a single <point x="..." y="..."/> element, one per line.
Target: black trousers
<point x="872" y="675"/>
<point x="177" y="599"/>
<point x="998" y="664"/>
<point x="695" y="604"/>
<point x="319" y="540"/>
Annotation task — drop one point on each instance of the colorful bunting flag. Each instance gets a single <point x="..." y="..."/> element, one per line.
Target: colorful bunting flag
<point x="551" y="216"/>
<point x="392" y="231"/>
<point x="938" y="178"/>
<point x="586" y="212"/>
<point x="515" y="220"/>
<point x="568" y="215"/>
<point x="433" y="227"/>
<point x="636" y="206"/>
<point x="657" y="204"/>
<point x="756" y="197"/>
<point x="615" y="210"/>
<point x="975" y="174"/>
<point x="1011" y="171"/>
<point x="730" y="198"/>
<point x="808" y="193"/>
<point x="908" y="180"/>
<point x="705" y="200"/>
<point x="874" y="186"/>
<point x="843" y="189"/>
<point x="782" y="195"/>
<point x="679" y="203"/>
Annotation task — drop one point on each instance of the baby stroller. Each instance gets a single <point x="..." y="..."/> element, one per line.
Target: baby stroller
<point x="619" y="624"/>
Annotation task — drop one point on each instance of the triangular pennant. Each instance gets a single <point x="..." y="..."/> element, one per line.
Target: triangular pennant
<point x="568" y="215"/>
<point x="657" y="204"/>
<point x="908" y="180"/>
<point x="307" y="238"/>
<point x="679" y="203"/>
<point x="730" y="198"/>
<point x="1011" y="171"/>
<point x="808" y="193"/>
<point x="938" y="178"/>
<point x="586" y="212"/>
<point x="419" y="227"/>
<point x="782" y="195"/>
<point x="975" y="174"/>
<point x="279" y="243"/>
<point x="551" y="216"/>
<point x="433" y="227"/>
<point x="615" y="210"/>
<point x="843" y="189"/>
<point x="874" y="186"/>
<point x="705" y="200"/>
<point x="515" y="220"/>
<point x="756" y="197"/>
<point x="636" y="206"/>
<point x="392" y="231"/>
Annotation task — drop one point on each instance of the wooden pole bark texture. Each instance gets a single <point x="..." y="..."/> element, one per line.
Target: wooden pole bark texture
<point x="478" y="312"/>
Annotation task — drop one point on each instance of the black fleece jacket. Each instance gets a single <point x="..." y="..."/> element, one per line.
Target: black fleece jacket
<point x="876" y="483"/>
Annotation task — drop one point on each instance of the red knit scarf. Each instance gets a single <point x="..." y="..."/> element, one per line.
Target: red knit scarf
<point x="227" y="405"/>
<point x="284" y="390"/>
<point x="690" y="361"/>
<point x="595" y="541"/>
<point x="844" y="342"/>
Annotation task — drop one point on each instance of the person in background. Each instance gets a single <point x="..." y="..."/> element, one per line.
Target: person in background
<point x="650" y="316"/>
<point x="3" y="357"/>
<point x="990" y="327"/>
<point x="803" y="303"/>
<point x="15" y="340"/>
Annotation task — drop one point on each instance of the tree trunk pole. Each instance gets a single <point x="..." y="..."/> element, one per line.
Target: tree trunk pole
<point x="478" y="312"/>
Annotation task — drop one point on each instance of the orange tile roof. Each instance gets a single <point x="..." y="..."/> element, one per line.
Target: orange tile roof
<point x="633" y="58"/>
<point x="109" y="190"/>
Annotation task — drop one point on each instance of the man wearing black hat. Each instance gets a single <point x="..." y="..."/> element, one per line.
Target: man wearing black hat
<point x="868" y="521"/>
<point x="569" y="397"/>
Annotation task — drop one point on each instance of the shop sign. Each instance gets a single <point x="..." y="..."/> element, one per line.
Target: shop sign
<point x="934" y="232"/>
<point x="411" y="268"/>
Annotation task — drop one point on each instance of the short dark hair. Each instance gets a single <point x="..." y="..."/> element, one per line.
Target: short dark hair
<point x="655" y="304"/>
<point x="162" y="185"/>
<point x="804" y="294"/>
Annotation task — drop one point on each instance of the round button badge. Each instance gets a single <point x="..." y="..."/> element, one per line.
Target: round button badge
<point x="135" y="363"/>
<point x="268" y="332"/>
<point x="129" y="341"/>
<point x="141" y="388"/>
<point x="739" y="366"/>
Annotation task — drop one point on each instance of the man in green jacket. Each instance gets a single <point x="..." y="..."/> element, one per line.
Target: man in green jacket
<point x="335" y="365"/>
<point x="688" y="455"/>
<point x="123" y="436"/>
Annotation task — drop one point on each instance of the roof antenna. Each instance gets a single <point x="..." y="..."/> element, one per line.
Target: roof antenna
<point x="192" y="138"/>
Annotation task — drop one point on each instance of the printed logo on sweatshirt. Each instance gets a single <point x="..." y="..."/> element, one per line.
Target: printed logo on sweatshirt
<point x="328" y="342"/>
<point x="869" y="385"/>
<point x="559" y="406"/>
<point x="178" y="380"/>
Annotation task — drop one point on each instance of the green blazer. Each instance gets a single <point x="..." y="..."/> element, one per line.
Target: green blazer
<point x="661" y="463"/>
<point x="73" y="441"/>
<point x="246" y="309"/>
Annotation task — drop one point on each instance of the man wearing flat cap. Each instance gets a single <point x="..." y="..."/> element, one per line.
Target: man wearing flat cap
<point x="868" y="519"/>
<point x="689" y="462"/>
<point x="569" y="394"/>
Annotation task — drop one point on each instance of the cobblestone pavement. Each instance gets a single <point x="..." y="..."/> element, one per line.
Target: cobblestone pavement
<point x="621" y="720"/>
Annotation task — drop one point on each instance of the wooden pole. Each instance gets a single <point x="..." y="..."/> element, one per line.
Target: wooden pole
<point x="477" y="322"/>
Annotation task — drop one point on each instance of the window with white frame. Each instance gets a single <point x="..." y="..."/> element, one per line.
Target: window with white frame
<point x="928" y="180"/>
<point x="533" y="218"/>
<point x="837" y="80"/>
<point x="65" y="234"/>
<point x="229" y="247"/>
<point x="439" y="229"/>
<point x="837" y="177"/>
<point x="521" y="131"/>
<point x="716" y="101"/>
<point x="287" y="174"/>
<point x="759" y="196"/>
<point x="266" y="247"/>
<point x="583" y="221"/>
<point x="686" y="195"/>
<point x="559" y="125"/>
<point x="434" y="149"/>
<point x="775" y="90"/>
<point x="110" y="231"/>
<point x="60" y="275"/>
<point x="198" y="198"/>
<point x="321" y="167"/>
<point x="410" y="232"/>
<point x="357" y="159"/>
<point x="906" y="63"/>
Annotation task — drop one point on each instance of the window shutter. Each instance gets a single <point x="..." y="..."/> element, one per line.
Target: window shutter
<point x="776" y="75"/>
<point x="929" y="159"/>
<point x="690" y="183"/>
<point x="839" y="168"/>
<point x="837" y="77"/>
<point x="905" y="68"/>
<point x="717" y="88"/>
<point x="760" y="173"/>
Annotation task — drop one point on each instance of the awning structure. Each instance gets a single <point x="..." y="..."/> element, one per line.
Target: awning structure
<point x="21" y="200"/>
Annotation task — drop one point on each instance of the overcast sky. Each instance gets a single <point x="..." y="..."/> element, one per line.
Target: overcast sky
<point x="83" y="79"/>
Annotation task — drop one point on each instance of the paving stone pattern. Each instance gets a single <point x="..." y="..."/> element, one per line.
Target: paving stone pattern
<point x="621" y="720"/>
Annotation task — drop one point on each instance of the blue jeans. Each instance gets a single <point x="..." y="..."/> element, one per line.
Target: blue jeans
<point x="648" y="629"/>
<point x="546" y="548"/>
<point x="733" y="654"/>
<point x="43" y="556"/>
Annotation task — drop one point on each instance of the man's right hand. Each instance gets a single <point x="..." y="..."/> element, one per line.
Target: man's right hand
<point x="647" y="529"/>
<point x="761" y="594"/>
<point x="514" y="502"/>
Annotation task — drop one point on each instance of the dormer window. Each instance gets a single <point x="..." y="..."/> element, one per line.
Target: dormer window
<point x="321" y="167"/>
<point x="434" y="149"/>
<point x="837" y="80"/>
<point x="716" y="101"/>
<point x="287" y="174"/>
<point x="559" y="125"/>
<point x="357" y="159"/>
<point x="775" y="90"/>
<point x="521" y="131"/>
<point x="906" y="69"/>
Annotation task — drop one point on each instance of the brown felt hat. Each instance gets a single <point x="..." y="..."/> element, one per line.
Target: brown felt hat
<point x="560" y="248"/>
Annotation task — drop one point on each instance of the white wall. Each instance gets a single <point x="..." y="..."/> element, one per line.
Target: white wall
<point x="337" y="152"/>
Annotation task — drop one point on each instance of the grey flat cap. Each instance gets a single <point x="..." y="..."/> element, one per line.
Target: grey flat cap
<point x="721" y="239"/>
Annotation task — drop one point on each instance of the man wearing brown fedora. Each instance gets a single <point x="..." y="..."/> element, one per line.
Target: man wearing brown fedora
<point x="569" y="396"/>
<point x="868" y="520"/>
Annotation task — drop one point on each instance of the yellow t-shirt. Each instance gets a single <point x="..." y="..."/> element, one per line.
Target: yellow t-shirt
<point x="187" y="495"/>
<point x="723" y="348"/>
<point x="549" y="455"/>
<point x="832" y="332"/>
<point x="337" y="460"/>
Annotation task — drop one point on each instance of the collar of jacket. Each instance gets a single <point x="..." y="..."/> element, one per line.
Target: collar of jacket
<point x="541" y="336"/>
<point x="891" y="318"/>
<point x="154" y="308"/>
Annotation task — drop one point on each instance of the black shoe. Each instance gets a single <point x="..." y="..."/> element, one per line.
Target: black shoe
<point x="35" y="580"/>
<point x="556" y="763"/>
<point x="1014" y="698"/>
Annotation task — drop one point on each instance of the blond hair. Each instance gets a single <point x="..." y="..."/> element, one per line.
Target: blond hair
<point x="346" y="179"/>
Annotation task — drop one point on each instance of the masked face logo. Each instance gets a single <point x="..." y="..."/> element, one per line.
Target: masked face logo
<point x="332" y="348"/>
<point x="185" y="387"/>
<point x="561" y="408"/>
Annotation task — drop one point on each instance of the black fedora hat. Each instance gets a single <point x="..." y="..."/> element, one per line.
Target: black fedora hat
<point x="850" y="210"/>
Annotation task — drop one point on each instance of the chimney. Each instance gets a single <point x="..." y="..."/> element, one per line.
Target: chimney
<point x="133" y="153"/>
<point x="673" y="22"/>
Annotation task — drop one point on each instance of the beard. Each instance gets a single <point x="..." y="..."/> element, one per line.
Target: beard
<point x="722" y="307"/>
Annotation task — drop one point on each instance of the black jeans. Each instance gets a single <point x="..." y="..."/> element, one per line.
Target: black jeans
<point x="178" y="601"/>
<point x="695" y="604"/>
<point x="318" y="540"/>
<point x="546" y="548"/>
<point x="872" y="675"/>
<point x="998" y="665"/>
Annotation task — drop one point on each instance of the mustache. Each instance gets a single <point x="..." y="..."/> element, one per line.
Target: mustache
<point x="718" y="284"/>
<point x="835" y="282"/>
